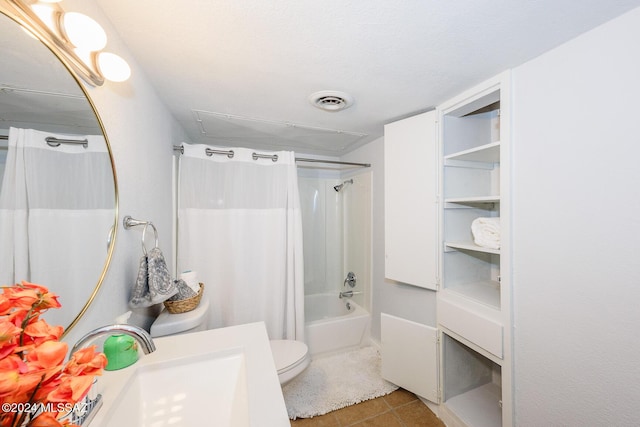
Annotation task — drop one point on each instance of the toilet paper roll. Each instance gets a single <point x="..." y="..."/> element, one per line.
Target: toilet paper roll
<point x="191" y="279"/>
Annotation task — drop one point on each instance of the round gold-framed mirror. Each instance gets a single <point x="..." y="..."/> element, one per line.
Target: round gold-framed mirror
<point x="61" y="232"/>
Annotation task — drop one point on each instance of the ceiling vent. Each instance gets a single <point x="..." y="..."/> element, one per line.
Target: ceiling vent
<point x="331" y="100"/>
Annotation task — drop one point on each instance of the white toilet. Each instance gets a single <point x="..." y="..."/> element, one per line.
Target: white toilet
<point x="182" y="323"/>
<point x="290" y="357"/>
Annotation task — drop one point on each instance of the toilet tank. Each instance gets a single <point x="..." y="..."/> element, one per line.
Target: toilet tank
<point x="182" y="323"/>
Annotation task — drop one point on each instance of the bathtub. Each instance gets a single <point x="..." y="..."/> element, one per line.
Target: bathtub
<point x="333" y="324"/>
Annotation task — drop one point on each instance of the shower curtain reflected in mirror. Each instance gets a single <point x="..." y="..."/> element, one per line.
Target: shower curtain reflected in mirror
<point x="49" y="196"/>
<point x="240" y="229"/>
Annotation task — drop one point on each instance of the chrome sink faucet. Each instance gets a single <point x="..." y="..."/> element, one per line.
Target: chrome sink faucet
<point x="90" y="405"/>
<point x="139" y="334"/>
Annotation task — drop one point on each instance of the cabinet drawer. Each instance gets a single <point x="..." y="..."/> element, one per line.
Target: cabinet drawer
<point x="476" y="327"/>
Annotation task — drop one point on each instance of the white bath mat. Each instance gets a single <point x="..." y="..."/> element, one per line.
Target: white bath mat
<point x="336" y="381"/>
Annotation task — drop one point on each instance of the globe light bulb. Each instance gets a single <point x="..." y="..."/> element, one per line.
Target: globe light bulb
<point x="83" y="32"/>
<point x="113" y="67"/>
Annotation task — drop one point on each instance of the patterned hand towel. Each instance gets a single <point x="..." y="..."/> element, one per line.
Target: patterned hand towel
<point x="184" y="291"/>
<point x="153" y="284"/>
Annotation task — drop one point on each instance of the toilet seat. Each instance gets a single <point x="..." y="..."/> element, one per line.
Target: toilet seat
<point x="290" y="357"/>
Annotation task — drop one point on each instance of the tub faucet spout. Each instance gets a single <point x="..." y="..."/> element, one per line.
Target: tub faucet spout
<point x="348" y="294"/>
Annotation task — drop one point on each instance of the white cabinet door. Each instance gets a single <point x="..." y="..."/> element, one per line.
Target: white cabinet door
<point x="410" y="200"/>
<point x="410" y="356"/>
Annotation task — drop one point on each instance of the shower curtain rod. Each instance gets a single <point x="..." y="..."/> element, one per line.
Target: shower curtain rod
<point x="52" y="141"/>
<point x="274" y="157"/>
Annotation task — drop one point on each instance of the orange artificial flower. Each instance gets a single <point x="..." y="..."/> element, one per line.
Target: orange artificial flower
<point x="13" y="363"/>
<point x="71" y="389"/>
<point x="46" y="299"/>
<point x="47" y="355"/>
<point x="9" y="337"/>
<point x="40" y="331"/>
<point x="22" y="299"/>
<point x="46" y="387"/>
<point x="86" y="362"/>
<point x="32" y="368"/>
<point x="5" y="305"/>
<point x="8" y="383"/>
<point x="28" y="285"/>
<point x="8" y="331"/>
<point x="28" y="296"/>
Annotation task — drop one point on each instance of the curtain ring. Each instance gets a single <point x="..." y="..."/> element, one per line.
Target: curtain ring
<point x="144" y="234"/>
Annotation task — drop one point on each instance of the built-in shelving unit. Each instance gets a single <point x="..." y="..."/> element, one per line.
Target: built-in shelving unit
<point x="443" y="170"/>
<point x="474" y="297"/>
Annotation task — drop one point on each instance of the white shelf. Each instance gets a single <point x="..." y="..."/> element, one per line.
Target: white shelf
<point x="486" y="292"/>
<point x="488" y="153"/>
<point x="479" y="407"/>
<point x="463" y="202"/>
<point x="478" y="199"/>
<point x="481" y="302"/>
<point x="469" y="246"/>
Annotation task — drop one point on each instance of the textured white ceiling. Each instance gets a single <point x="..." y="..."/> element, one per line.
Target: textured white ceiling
<point x="261" y="59"/>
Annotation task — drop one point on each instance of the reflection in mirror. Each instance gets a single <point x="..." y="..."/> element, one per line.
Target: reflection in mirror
<point x="57" y="200"/>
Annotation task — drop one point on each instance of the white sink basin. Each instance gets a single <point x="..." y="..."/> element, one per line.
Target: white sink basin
<point x="220" y="377"/>
<point x="178" y="393"/>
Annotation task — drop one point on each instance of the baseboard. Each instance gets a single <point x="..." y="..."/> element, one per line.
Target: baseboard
<point x="449" y="418"/>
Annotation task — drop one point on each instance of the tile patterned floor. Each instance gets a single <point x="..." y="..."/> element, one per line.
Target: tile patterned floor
<point x="398" y="409"/>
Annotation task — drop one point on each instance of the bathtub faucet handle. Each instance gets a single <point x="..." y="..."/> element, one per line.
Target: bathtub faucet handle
<point x="350" y="280"/>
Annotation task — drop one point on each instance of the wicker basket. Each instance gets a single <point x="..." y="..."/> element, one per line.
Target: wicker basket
<point x="182" y="306"/>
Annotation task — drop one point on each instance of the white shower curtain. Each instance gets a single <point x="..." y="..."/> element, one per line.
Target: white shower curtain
<point x="240" y="229"/>
<point x="56" y="211"/>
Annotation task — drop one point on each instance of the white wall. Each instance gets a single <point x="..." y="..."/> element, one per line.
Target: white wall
<point x="141" y="133"/>
<point x="576" y="231"/>
<point x="409" y="302"/>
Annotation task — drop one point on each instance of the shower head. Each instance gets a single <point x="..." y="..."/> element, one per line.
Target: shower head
<point x="339" y="186"/>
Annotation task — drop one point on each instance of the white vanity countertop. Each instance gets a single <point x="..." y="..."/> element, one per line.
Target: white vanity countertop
<point x="265" y="401"/>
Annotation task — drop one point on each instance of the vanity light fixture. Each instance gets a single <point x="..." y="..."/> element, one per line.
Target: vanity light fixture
<point x="76" y="38"/>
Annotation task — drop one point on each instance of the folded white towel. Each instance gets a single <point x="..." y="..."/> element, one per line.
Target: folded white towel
<point x="191" y="279"/>
<point x="486" y="232"/>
